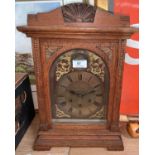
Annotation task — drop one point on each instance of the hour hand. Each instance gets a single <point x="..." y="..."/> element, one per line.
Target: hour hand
<point x="75" y="93"/>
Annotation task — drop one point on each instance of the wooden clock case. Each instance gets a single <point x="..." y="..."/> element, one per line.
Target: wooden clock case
<point x="70" y="27"/>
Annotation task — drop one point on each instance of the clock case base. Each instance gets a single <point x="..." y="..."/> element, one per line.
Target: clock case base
<point x="75" y="137"/>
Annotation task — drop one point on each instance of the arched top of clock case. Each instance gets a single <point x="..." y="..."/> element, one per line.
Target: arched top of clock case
<point x="78" y="17"/>
<point x="78" y="14"/>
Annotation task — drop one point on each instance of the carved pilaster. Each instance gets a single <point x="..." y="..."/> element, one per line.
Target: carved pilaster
<point x="118" y="87"/>
<point x="35" y="43"/>
<point x="39" y="81"/>
<point x="120" y="69"/>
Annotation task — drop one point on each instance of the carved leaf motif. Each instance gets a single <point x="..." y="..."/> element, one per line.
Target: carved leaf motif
<point x="97" y="66"/>
<point x="99" y="114"/>
<point x="51" y="50"/>
<point x="106" y="50"/>
<point x="120" y="70"/>
<point x="78" y="12"/>
<point x="60" y="113"/>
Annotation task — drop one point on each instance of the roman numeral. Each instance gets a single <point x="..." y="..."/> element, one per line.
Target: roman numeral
<point x="96" y="103"/>
<point x="98" y="94"/>
<point x="70" y="110"/>
<point x="97" y="85"/>
<point x="89" y="78"/>
<point x="79" y="112"/>
<point x="63" y="86"/>
<point x="63" y="103"/>
<point x="80" y="76"/>
<point x="80" y="105"/>
<point x="69" y="78"/>
<point x="60" y="96"/>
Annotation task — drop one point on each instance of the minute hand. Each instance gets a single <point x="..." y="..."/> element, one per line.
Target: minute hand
<point x="90" y="92"/>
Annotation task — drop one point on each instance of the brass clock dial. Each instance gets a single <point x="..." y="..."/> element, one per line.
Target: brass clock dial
<point x="79" y="94"/>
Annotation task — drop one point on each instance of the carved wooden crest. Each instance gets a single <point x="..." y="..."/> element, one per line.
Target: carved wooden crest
<point x="78" y="12"/>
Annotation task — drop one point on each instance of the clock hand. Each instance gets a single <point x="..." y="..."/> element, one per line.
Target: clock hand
<point x="79" y="94"/>
<point x="73" y="92"/>
<point x="90" y="92"/>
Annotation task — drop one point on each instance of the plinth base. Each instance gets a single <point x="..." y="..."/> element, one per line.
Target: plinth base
<point x="72" y="138"/>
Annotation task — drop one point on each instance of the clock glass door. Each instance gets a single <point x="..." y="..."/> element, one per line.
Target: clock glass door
<point x="81" y="85"/>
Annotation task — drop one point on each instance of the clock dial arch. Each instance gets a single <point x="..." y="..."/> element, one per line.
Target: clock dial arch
<point x="80" y="91"/>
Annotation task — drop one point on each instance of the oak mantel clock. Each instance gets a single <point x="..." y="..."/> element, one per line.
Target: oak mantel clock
<point x="78" y="53"/>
